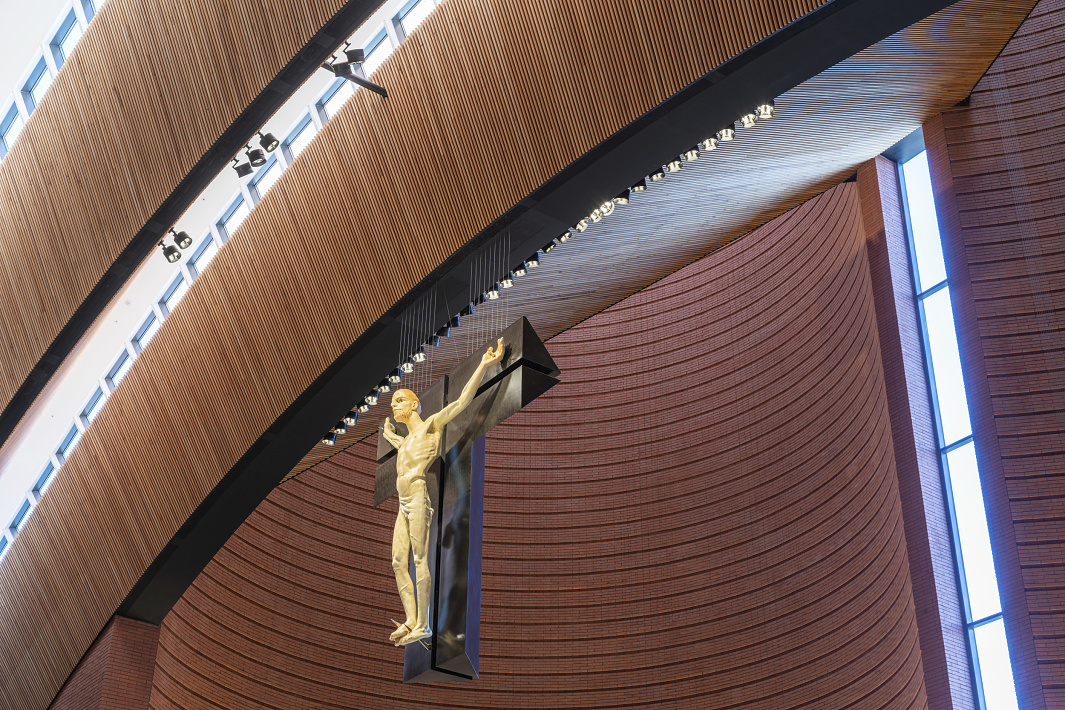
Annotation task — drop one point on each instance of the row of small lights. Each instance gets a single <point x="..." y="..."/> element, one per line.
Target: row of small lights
<point x="726" y="134"/>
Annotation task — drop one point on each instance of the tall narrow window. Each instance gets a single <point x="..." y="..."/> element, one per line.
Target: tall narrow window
<point x="119" y="369"/>
<point x="203" y="255"/>
<point x="334" y="97"/>
<point x="411" y="15"/>
<point x="299" y="138"/>
<point x="96" y="403"/>
<point x="979" y="587"/>
<point x="233" y="218"/>
<point x="68" y="35"/>
<point x="36" y="86"/>
<point x="10" y="126"/>
<point x="146" y="332"/>
<point x="20" y="518"/>
<point x="44" y="480"/>
<point x="173" y="294"/>
<point x="376" y="51"/>
<point x="69" y="442"/>
<point x="267" y="176"/>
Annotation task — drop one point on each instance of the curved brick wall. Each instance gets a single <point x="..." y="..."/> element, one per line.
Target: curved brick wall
<point x="704" y="514"/>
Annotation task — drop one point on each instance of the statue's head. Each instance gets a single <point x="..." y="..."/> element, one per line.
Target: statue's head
<point x="405" y="403"/>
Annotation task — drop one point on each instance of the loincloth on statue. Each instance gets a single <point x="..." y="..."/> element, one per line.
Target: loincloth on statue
<point x="416" y="500"/>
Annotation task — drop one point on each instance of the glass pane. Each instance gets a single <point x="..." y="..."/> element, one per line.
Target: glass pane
<point x="926" y="242"/>
<point x="267" y="179"/>
<point x="71" y="440"/>
<point x="20" y="518"/>
<point x="45" y="480"/>
<point x="17" y="124"/>
<point x="178" y="291"/>
<point x="95" y="405"/>
<point x="207" y="252"/>
<point x="120" y="369"/>
<point x="41" y="87"/>
<point x="299" y="141"/>
<point x="972" y="532"/>
<point x="377" y="55"/>
<point x="146" y="333"/>
<point x="3" y="546"/>
<point x="334" y="102"/>
<point x="415" y="15"/>
<point x="946" y="367"/>
<point x="234" y="220"/>
<point x="995" y="671"/>
<point x="67" y="46"/>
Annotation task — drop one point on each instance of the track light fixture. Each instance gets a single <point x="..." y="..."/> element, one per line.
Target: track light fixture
<point x="596" y="215"/>
<point x="565" y="237"/>
<point x="607" y="208"/>
<point x="657" y="175"/>
<point x="341" y="427"/>
<point x="353" y="56"/>
<point x="364" y="406"/>
<point x="708" y="144"/>
<point x="641" y="186"/>
<point x="329" y="439"/>
<point x="182" y="239"/>
<point x="455" y="322"/>
<point x="691" y="154"/>
<point x="467" y="310"/>
<point x="395" y="377"/>
<point x="255" y="156"/>
<point x="268" y="141"/>
<point x="492" y="293"/>
<point x="622" y="198"/>
<point x="673" y="165"/>
<point x="549" y="247"/>
<point x="765" y="110"/>
<point x="727" y="133"/>
<point x="419" y="354"/>
<point x="508" y="280"/>
<point x="407" y="366"/>
<point x="444" y="332"/>
<point x="580" y="226"/>
<point x="519" y="270"/>
<point x="171" y="254"/>
<point x="371" y="399"/>
<point x="242" y="169"/>
<point x="747" y="120"/>
<point x="351" y="417"/>
<point x="532" y="262"/>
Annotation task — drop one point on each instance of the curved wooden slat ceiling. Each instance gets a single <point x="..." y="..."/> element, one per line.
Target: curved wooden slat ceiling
<point x="152" y="103"/>
<point x="324" y="256"/>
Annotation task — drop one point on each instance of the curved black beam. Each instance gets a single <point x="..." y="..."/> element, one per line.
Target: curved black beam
<point x="217" y="157"/>
<point x="782" y="61"/>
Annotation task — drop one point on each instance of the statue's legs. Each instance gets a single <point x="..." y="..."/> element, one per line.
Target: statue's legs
<point x="400" y="556"/>
<point x="419" y="519"/>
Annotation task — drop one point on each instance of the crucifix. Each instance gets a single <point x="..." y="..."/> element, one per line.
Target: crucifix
<point x="434" y="459"/>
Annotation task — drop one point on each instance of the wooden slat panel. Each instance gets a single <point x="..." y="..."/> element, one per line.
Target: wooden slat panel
<point x="328" y="250"/>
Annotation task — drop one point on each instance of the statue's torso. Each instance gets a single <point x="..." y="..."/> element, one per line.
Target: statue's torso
<point x="417" y="452"/>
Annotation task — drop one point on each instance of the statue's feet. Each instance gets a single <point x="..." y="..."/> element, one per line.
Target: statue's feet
<point x="399" y="633"/>
<point x="415" y="634"/>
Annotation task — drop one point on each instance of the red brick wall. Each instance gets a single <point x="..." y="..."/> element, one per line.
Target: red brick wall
<point x="116" y="672"/>
<point x="999" y="183"/>
<point x="704" y="514"/>
<point x="944" y="649"/>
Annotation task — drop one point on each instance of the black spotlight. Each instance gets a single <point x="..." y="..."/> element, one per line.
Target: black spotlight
<point x="519" y="270"/>
<point x="182" y="239"/>
<point x="242" y="169"/>
<point x="765" y="110"/>
<point x="364" y="406"/>
<point x="533" y="261"/>
<point x="329" y="439"/>
<point x="419" y="354"/>
<point x="455" y="322"/>
<point x="549" y="247"/>
<point x="492" y="293"/>
<point x="395" y="377"/>
<point x="467" y="310"/>
<point x="171" y="254"/>
<point x="355" y="56"/>
<point x="444" y="332"/>
<point x="641" y="186"/>
<point x="622" y="198"/>
<point x="385" y="387"/>
<point x="727" y="133"/>
<point x="268" y="142"/>
<point x="351" y="417"/>
<point x="657" y="175"/>
<point x="255" y="156"/>
<point x="407" y="366"/>
<point x="341" y="427"/>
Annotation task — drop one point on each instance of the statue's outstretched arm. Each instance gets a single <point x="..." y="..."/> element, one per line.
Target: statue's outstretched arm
<point x="445" y="415"/>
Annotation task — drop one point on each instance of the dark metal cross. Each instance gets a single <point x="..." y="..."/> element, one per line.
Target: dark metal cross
<point x="456" y="490"/>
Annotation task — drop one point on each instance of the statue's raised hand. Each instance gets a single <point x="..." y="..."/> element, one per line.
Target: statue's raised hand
<point x="388" y="426"/>
<point x="493" y="355"/>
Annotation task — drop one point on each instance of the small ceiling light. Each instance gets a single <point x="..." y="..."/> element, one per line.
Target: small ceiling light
<point x="355" y="56"/>
<point x="641" y="186"/>
<point x="492" y="293"/>
<point x="407" y="366"/>
<point x="467" y="310"/>
<point x="565" y="237"/>
<point x="622" y="198"/>
<point x="596" y="215"/>
<point x="268" y="141"/>
<point x="329" y="439"/>
<point x="748" y="119"/>
<point x="351" y="417"/>
<point x="532" y="262"/>
<point x="171" y="254"/>
<point x="580" y="226"/>
<point x="444" y="332"/>
<point x="255" y="156"/>
<point x="673" y="165"/>
<point x="242" y="169"/>
<point x="607" y="208"/>
<point x="508" y="280"/>
<point x="520" y="270"/>
<point x="657" y="175"/>
<point x="727" y="133"/>
<point x="341" y="427"/>
<point x="419" y="354"/>
<point x="549" y="247"/>
<point x="395" y="377"/>
<point x="708" y="144"/>
<point x="182" y="239"/>
<point x="455" y="322"/>
<point x="479" y="299"/>
<point x="364" y="406"/>
<point x="765" y="110"/>
<point x="371" y="399"/>
<point x="385" y="387"/>
<point x="691" y="154"/>
<point x="435" y="340"/>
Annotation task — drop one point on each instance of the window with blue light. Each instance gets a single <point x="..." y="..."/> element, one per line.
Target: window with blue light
<point x="90" y="8"/>
<point x="203" y="255"/>
<point x="233" y="218"/>
<point x="69" y="442"/>
<point x="334" y="97"/>
<point x="376" y="51"/>
<point x="44" y="480"/>
<point x="10" y="126"/>
<point x="119" y="369"/>
<point x="146" y="332"/>
<point x="410" y="16"/>
<point x="3" y="547"/>
<point x="96" y="403"/>
<point x="20" y="518"/>
<point x="266" y="177"/>
<point x="173" y="294"/>
<point x="299" y="138"/>
<point x="982" y="608"/>
<point x="68" y="35"/>
<point x="36" y="86"/>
